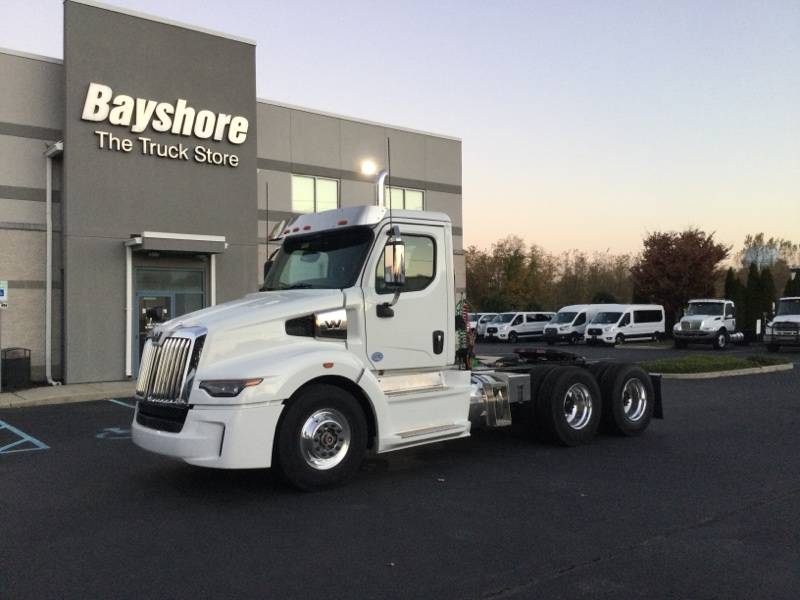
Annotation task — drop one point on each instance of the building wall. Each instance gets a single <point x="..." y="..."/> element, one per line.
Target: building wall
<point x="31" y="117"/>
<point x="289" y="140"/>
<point x="294" y="140"/>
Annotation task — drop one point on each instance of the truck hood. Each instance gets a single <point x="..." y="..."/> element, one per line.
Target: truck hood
<point x="701" y="319"/>
<point x="258" y="308"/>
<point x="786" y="319"/>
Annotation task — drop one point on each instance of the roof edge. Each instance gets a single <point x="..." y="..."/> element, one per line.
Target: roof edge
<point x="21" y="54"/>
<point x="355" y="119"/>
<point x="149" y="17"/>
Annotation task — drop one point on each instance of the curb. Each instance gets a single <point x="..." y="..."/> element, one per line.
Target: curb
<point x="731" y="373"/>
<point x="46" y="396"/>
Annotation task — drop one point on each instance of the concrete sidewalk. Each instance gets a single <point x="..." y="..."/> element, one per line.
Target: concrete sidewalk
<point x="63" y="394"/>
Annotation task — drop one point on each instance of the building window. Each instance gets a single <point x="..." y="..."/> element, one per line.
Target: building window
<point x="405" y="198"/>
<point x="314" y="194"/>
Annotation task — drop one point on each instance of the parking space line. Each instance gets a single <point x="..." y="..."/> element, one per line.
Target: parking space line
<point x="24" y="437"/>
<point x="121" y="403"/>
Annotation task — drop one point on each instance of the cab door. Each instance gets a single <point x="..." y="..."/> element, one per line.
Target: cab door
<point x="415" y="332"/>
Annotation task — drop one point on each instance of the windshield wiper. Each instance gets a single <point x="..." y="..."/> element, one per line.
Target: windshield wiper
<point x="297" y="286"/>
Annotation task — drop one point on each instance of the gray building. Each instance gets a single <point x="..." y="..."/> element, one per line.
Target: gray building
<point x="148" y="167"/>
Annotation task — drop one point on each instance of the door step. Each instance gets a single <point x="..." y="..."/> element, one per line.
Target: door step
<point x="428" y="431"/>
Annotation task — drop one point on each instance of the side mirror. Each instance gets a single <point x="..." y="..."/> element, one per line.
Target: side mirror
<point x="394" y="260"/>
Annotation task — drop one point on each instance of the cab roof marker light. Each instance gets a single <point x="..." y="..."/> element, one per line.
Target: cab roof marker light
<point x="307" y="227"/>
<point x="342" y="222"/>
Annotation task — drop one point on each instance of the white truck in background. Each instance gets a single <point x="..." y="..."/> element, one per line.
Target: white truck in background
<point x="784" y="328"/>
<point x="351" y="348"/>
<point x="619" y="323"/>
<point x="709" y="321"/>
<point x="569" y="324"/>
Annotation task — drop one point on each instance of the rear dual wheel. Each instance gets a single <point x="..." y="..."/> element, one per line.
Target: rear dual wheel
<point x="568" y="405"/>
<point x="628" y="399"/>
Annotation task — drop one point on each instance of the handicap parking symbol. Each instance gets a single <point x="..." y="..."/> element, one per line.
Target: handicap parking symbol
<point x="21" y="441"/>
<point x="114" y="433"/>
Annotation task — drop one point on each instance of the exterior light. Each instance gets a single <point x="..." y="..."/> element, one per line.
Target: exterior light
<point x="369" y="167"/>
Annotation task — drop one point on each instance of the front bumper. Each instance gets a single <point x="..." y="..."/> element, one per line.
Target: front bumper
<point x="695" y="336"/>
<point x="557" y="337"/>
<point x="782" y="339"/>
<point x="224" y="437"/>
<point x="603" y="339"/>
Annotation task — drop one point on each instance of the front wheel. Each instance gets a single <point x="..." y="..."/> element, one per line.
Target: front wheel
<point x="512" y="337"/>
<point x="619" y="340"/>
<point x="721" y="340"/>
<point x="322" y="438"/>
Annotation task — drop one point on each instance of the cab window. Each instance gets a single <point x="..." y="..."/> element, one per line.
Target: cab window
<point x="626" y="320"/>
<point x="517" y="320"/>
<point x="420" y="257"/>
<point x="580" y="320"/>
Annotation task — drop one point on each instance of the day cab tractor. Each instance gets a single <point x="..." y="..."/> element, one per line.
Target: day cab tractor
<point x="351" y="349"/>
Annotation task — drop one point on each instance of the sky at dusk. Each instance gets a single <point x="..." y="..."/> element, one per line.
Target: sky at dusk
<point x="584" y="124"/>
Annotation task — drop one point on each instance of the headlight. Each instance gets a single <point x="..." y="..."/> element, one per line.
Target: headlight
<point x="677" y="326"/>
<point x="563" y="328"/>
<point x="709" y="327"/>
<point x="227" y="388"/>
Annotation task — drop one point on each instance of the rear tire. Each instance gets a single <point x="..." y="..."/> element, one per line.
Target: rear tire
<point x="628" y="399"/>
<point x="321" y="439"/>
<point x="773" y="347"/>
<point x="721" y="340"/>
<point x="526" y="424"/>
<point x="569" y="406"/>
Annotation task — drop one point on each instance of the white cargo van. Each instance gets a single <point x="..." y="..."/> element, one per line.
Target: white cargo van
<point x="483" y="322"/>
<point x="569" y="324"/>
<point x="513" y="326"/>
<point x="617" y="323"/>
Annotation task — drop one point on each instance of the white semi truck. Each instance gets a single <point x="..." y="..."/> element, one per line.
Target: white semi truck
<point x="784" y="328"/>
<point x="709" y="321"/>
<point x="351" y="348"/>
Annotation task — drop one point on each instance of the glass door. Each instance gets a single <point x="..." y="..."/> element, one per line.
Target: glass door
<point x="163" y="294"/>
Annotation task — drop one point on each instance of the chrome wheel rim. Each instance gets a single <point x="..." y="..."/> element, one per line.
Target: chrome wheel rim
<point x="634" y="399"/>
<point x="577" y="406"/>
<point x="324" y="439"/>
<point x="721" y="340"/>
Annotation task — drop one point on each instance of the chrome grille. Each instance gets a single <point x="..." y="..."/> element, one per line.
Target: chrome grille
<point x="786" y="326"/>
<point x="691" y="325"/>
<point x="163" y="369"/>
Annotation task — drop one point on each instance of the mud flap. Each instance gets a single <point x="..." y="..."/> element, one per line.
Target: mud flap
<point x="658" y="409"/>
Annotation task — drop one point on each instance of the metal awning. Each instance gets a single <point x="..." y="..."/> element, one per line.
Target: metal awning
<point x="178" y="242"/>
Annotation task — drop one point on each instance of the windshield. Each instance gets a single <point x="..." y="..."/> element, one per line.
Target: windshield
<point x="705" y="308"/>
<point x="564" y="317"/>
<point x="607" y="318"/>
<point x="503" y="318"/>
<point x="789" y="307"/>
<point x="327" y="260"/>
<point x="487" y="318"/>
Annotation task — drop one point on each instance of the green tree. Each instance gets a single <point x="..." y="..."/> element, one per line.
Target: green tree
<point x="768" y="292"/>
<point x="677" y="266"/>
<point x="753" y="301"/>
<point x="604" y="297"/>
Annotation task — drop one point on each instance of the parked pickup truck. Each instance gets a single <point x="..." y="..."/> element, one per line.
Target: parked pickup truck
<point x="784" y="328"/>
<point x="350" y="349"/>
<point x="709" y="321"/>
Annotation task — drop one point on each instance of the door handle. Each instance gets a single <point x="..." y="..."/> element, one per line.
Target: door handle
<point x="438" y="342"/>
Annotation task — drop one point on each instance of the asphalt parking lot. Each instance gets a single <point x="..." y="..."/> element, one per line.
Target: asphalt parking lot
<point x="706" y="504"/>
